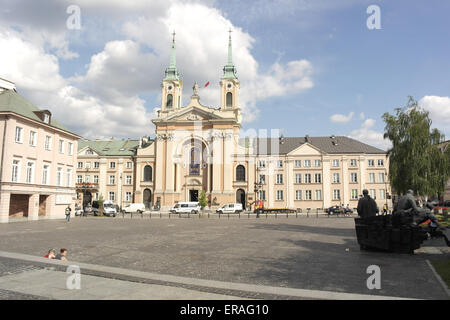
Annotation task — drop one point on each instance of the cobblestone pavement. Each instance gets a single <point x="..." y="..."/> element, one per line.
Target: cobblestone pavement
<point x="307" y="253"/>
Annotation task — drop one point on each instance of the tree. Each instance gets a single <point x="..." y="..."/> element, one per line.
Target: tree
<point x="202" y="200"/>
<point x="416" y="162"/>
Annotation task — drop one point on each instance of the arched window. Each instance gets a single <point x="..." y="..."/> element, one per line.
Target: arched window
<point x="229" y="100"/>
<point x="240" y="173"/>
<point x="147" y="173"/>
<point x="169" y="103"/>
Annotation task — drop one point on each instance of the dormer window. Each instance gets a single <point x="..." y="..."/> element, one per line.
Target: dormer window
<point x="46" y="118"/>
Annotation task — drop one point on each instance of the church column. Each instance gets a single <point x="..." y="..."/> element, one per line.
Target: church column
<point x="228" y="173"/>
<point x="169" y="166"/>
<point x="159" y="167"/>
<point x="217" y="164"/>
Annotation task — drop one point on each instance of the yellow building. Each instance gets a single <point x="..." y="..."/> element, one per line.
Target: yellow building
<point x="199" y="148"/>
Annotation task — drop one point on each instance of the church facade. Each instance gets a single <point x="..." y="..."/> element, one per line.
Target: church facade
<point x="200" y="148"/>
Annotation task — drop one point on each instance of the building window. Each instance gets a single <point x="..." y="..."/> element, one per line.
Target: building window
<point x="336" y="178"/>
<point x="87" y="179"/>
<point x="61" y="146"/>
<point x="353" y="177"/>
<point x="308" y="195"/>
<point x="240" y="173"/>
<point x="298" y="163"/>
<point x="262" y="195"/>
<point x="372" y="193"/>
<point x="298" y="194"/>
<point x="169" y="103"/>
<point x="70" y="148"/>
<point x="371" y="177"/>
<point x="112" y="165"/>
<point x="46" y="118"/>
<point x="68" y="177"/>
<point x="45" y="174"/>
<point x="112" y="196"/>
<point x="318" y="178"/>
<point x="279" y="179"/>
<point x="30" y="172"/>
<point x="19" y="135"/>
<point x="336" y="194"/>
<point x="298" y="178"/>
<point x="317" y="163"/>
<point x="229" y="100"/>
<point x="353" y="163"/>
<point x="127" y="196"/>
<point x="95" y="179"/>
<point x="318" y="195"/>
<point x="59" y="177"/>
<point x="15" y="171"/>
<point x="279" y="163"/>
<point x="33" y="139"/>
<point x="371" y="163"/>
<point x="382" y="194"/>
<point x="354" y="194"/>
<point x="48" y="143"/>
<point x="79" y="179"/>
<point x="335" y="163"/>
<point x="96" y="165"/>
<point x="308" y="178"/>
<point x="129" y="165"/>
<point x="380" y="162"/>
<point x="261" y="164"/>
<point x="112" y="179"/>
<point x="307" y="163"/>
<point x="147" y="173"/>
<point x="381" y="177"/>
<point x="279" y="195"/>
<point x="128" y="180"/>
<point x="80" y="165"/>
<point x="262" y="179"/>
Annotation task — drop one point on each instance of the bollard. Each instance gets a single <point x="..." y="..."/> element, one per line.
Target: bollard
<point x="131" y="214"/>
<point x="219" y="214"/>
<point x="189" y="214"/>
<point x="228" y="215"/>
<point x="179" y="215"/>
<point x="287" y="214"/>
<point x="239" y="214"/>
<point x="248" y="215"/>
<point x="266" y="214"/>
<point x="208" y="214"/>
<point x="276" y="214"/>
<point x="169" y="214"/>
<point x="150" y="216"/>
<point x="160" y="214"/>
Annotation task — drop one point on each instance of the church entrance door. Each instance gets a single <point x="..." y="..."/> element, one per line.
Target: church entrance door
<point x="193" y="195"/>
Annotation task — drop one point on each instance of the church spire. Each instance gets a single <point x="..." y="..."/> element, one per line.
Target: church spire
<point x="172" y="71"/>
<point x="229" y="71"/>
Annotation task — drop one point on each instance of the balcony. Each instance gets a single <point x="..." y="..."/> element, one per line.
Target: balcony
<point x="86" y="186"/>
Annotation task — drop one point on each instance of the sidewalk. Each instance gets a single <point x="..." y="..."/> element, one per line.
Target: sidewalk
<point x="101" y="282"/>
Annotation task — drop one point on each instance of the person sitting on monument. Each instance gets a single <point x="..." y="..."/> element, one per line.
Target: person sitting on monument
<point x="407" y="205"/>
<point x="367" y="207"/>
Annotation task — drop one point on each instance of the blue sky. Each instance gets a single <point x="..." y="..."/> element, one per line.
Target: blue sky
<point x="334" y="75"/>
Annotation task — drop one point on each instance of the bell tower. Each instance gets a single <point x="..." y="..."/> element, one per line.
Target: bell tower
<point x="229" y="84"/>
<point x="171" y="85"/>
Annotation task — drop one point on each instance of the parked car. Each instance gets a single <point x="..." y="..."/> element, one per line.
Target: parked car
<point x="109" y="209"/>
<point x="89" y="209"/>
<point x="335" y="210"/>
<point x="230" y="208"/>
<point x="78" y="210"/>
<point x="186" y="207"/>
<point x="134" y="207"/>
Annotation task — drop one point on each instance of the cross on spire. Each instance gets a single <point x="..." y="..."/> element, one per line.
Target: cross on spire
<point x="173" y="34"/>
<point x="230" y="31"/>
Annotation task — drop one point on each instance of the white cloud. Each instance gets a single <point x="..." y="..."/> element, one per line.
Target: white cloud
<point x="439" y="108"/>
<point x="340" y="118"/>
<point x="107" y="99"/>
<point x="367" y="135"/>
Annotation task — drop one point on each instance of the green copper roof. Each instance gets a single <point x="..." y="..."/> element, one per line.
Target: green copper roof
<point x="229" y="71"/>
<point x="11" y="101"/>
<point x="111" y="147"/>
<point x="172" y="71"/>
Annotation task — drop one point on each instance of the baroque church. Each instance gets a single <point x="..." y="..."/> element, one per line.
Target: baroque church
<point x="198" y="148"/>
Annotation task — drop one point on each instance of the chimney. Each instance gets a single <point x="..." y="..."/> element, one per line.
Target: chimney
<point x="307" y="138"/>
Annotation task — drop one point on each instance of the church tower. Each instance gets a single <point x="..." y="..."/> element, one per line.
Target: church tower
<point x="171" y="86"/>
<point x="229" y="84"/>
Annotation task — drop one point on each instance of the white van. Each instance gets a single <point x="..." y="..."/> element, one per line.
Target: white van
<point x="109" y="208"/>
<point x="185" y="207"/>
<point x="230" y="208"/>
<point x="134" y="207"/>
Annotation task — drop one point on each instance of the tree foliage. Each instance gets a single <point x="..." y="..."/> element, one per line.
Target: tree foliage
<point x="202" y="200"/>
<point x="416" y="162"/>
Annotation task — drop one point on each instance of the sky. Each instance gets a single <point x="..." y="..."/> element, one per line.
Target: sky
<point x="307" y="67"/>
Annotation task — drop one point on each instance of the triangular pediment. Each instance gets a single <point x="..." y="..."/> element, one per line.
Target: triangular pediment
<point x="88" y="151"/>
<point x="193" y="114"/>
<point x="306" y="149"/>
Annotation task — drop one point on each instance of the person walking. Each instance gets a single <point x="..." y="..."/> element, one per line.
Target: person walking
<point x="68" y="211"/>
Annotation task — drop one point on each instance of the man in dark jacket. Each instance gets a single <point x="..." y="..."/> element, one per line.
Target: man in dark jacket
<point x="367" y="207"/>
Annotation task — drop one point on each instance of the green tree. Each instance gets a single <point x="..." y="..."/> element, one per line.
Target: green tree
<point x="202" y="200"/>
<point x="416" y="162"/>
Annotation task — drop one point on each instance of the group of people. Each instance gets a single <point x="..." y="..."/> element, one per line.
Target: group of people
<point x="62" y="255"/>
<point x="367" y="207"/>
